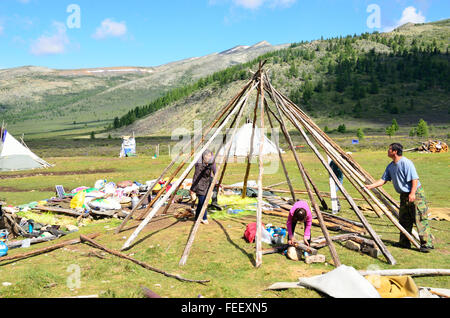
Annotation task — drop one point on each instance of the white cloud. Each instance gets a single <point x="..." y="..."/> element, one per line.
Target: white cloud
<point x="256" y="4"/>
<point x="249" y="4"/>
<point x="51" y="43"/>
<point x="109" y="28"/>
<point x="282" y="3"/>
<point x="1" y="29"/>
<point x="410" y="14"/>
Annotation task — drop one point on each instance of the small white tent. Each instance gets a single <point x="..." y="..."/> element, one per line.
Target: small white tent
<point x="15" y="156"/>
<point x="242" y="141"/>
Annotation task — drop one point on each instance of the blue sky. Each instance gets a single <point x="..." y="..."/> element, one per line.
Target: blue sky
<point x="151" y="33"/>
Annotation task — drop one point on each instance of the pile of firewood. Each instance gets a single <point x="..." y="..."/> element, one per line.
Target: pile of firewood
<point x="433" y="146"/>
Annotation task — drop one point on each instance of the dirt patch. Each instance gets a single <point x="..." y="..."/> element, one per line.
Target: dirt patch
<point x="15" y="190"/>
<point x="58" y="173"/>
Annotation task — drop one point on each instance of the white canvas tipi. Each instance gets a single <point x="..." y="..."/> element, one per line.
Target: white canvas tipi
<point x="14" y="156"/>
<point x="242" y="141"/>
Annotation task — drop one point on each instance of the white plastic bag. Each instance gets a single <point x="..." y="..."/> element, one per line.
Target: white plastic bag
<point x="266" y="237"/>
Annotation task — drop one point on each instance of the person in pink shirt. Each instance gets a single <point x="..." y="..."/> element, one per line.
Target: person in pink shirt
<point x="300" y="212"/>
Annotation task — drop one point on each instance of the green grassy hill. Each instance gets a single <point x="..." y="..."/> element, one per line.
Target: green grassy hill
<point x="360" y="81"/>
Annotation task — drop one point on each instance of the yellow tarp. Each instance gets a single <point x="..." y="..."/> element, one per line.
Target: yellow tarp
<point x="394" y="286"/>
<point x="236" y="201"/>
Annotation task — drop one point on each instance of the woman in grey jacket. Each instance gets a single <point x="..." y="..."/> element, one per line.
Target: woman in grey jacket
<point x="205" y="169"/>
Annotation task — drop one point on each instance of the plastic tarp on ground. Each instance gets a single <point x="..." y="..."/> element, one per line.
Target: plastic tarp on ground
<point x="14" y="156"/>
<point x="343" y="282"/>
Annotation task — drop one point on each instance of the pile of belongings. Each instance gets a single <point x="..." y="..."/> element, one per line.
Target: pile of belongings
<point x="105" y="196"/>
<point x="186" y="185"/>
<point x="270" y="234"/>
<point x="104" y="199"/>
<point x="13" y="226"/>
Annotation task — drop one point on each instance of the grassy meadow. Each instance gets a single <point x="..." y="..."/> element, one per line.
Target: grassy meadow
<point x="219" y="253"/>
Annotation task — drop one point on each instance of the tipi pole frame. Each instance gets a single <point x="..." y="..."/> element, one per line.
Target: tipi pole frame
<point x="185" y="173"/>
<point x="175" y="192"/>
<point x="315" y="188"/>
<point x="301" y="168"/>
<point x="384" y="209"/>
<point x="161" y="191"/>
<point x="221" y="168"/>
<point x="392" y="205"/>
<point x="363" y="220"/>
<point x="329" y="150"/>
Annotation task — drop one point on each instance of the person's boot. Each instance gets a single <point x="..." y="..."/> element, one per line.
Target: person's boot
<point x="425" y="249"/>
<point x="214" y="205"/>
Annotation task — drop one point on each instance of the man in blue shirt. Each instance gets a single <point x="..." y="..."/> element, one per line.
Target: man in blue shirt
<point x="413" y="206"/>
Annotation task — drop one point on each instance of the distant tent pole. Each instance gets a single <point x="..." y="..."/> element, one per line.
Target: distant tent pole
<point x="16" y="156"/>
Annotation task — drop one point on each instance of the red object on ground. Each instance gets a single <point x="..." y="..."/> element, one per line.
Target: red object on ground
<point x="250" y="232"/>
